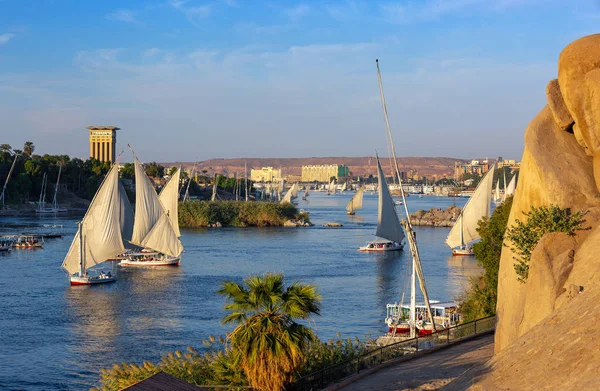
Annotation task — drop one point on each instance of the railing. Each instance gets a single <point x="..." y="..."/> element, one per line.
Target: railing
<point x="320" y="379"/>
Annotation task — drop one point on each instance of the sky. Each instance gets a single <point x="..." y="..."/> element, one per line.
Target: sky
<point x="190" y="80"/>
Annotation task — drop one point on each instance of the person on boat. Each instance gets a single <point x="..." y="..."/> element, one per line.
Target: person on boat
<point x="101" y="275"/>
<point x="109" y="275"/>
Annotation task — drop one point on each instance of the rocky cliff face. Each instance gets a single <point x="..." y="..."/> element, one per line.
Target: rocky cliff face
<point x="559" y="166"/>
<point x="548" y="326"/>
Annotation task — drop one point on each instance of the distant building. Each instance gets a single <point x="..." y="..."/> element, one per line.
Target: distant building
<point x="293" y="178"/>
<point x="478" y="167"/>
<point x="103" y="143"/>
<point x="265" y="174"/>
<point x="323" y="173"/>
<point x="509" y="163"/>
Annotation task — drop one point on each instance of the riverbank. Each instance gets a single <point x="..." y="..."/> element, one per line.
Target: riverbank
<point x="198" y="214"/>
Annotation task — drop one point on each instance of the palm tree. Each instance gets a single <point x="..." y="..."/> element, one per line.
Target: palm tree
<point x="28" y="148"/>
<point x="270" y="343"/>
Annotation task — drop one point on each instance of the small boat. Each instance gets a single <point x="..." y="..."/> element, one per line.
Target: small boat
<point x="144" y="258"/>
<point x="156" y="228"/>
<point x="5" y="244"/>
<point x="398" y="202"/>
<point x="355" y="202"/>
<point x="388" y="224"/>
<point x="101" y="235"/>
<point x="464" y="230"/>
<point x="382" y="246"/>
<point x="445" y="315"/>
<point x="28" y="241"/>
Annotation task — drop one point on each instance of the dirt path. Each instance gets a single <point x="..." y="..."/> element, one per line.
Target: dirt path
<point x="429" y="372"/>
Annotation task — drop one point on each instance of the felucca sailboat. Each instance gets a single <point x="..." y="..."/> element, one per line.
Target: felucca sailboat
<point x="102" y="233"/>
<point x="155" y="228"/>
<point x="464" y="230"/>
<point x="400" y="318"/>
<point x="388" y="224"/>
<point x="356" y="201"/>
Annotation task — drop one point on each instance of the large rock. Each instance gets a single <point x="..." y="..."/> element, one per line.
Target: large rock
<point x="436" y="217"/>
<point x="548" y="329"/>
<point x="557" y="168"/>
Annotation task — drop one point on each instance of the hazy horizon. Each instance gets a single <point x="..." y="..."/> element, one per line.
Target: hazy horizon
<point x="191" y="80"/>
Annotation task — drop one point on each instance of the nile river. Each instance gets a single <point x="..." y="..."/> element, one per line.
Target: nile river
<point x="57" y="337"/>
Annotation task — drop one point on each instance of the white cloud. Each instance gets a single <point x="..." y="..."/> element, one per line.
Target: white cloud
<point x="4" y="38"/>
<point x="192" y="12"/>
<point x="347" y="11"/>
<point x="123" y="15"/>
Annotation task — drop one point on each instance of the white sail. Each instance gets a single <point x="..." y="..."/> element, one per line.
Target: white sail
<point x="332" y="187"/>
<point x="148" y="208"/>
<point x="126" y="220"/>
<point x="343" y="188"/>
<point x="101" y="226"/>
<point x="294" y="190"/>
<point x="497" y="193"/>
<point x="162" y="238"/>
<point x="504" y="195"/>
<point x="356" y="200"/>
<point x="169" y="197"/>
<point x="388" y="225"/>
<point x="477" y="207"/>
<point x="287" y="198"/>
<point x="512" y="185"/>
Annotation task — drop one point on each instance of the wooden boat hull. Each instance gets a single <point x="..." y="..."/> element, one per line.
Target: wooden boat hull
<point x="28" y="245"/>
<point x="381" y="249"/>
<point x="351" y="213"/>
<point x="161" y="262"/>
<point x="405" y="330"/>
<point x="87" y="280"/>
<point x="466" y="252"/>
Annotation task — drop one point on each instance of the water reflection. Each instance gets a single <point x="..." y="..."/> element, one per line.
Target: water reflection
<point x="460" y="270"/>
<point x="391" y="276"/>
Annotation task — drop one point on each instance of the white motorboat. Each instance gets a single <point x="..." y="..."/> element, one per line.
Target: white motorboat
<point x="382" y="246"/>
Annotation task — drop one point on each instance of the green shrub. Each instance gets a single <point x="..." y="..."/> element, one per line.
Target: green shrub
<point x="480" y="297"/>
<point x="196" y="214"/>
<point x="540" y="221"/>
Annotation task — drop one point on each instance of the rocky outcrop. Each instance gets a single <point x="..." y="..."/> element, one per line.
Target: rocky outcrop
<point x="332" y="224"/>
<point x="296" y="223"/>
<point x="557" y="168"/>
<point x="436" y="217"/>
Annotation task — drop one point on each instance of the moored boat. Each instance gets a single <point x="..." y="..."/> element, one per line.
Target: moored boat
<point x="382" y="246"/>
<point x="5" y="244"/>
<point x="144" y="258"/>
<point x="445" y="314"/>
<point x="28" y="241"/>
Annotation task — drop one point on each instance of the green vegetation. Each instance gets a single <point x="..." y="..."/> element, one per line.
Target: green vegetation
<point x="268" y="342"/>
<point x="195" y="214"/>
<point x="81" y="177"/>
<point x="540" y="221"/>
<point x="480" y="298"/>
<point x="267" y="350"/>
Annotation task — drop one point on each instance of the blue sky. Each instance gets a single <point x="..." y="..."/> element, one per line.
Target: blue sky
<point x="193" y="80"/>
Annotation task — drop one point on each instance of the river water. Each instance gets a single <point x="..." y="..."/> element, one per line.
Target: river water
<point x="57" y="337"/>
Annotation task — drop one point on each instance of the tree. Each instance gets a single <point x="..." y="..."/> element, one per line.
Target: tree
<point x="481" y="297"/>
<point x="128" y="171"/>
<point x="154" y="170"/>
<point x="28" y="148"/>
<point x="269" y="342"/>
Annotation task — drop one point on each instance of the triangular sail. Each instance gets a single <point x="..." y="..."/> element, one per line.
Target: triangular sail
<point x="148" y="208"/>
<point x="497" y="193"/>
<point x="512" y="185"/>
<point x="294" y="190"/>
<point x="356" y="201"/>
<point x="162" y="238"/>
<point x="477" y="207"/>
<point x="169" y="197"/>
<point x="388" y="225"/>
<point x="101" y="226"/>
<point x="126" y="220"/>
<point x="287" y="197"/>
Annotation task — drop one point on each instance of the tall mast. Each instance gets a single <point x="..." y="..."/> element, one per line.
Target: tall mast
<point x="410" y="233"/>
<point x="54" y="205"/>
<point x="246" y="179"/>
<point x="81" y="266"/>
<point x="7" y="178"/>
<point x="186" y="195"/>
<point x="214" y="193"/>
<point x="42" y="197"/>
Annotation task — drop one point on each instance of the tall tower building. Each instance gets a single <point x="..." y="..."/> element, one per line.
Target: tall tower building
<point x="103" y="143"/>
